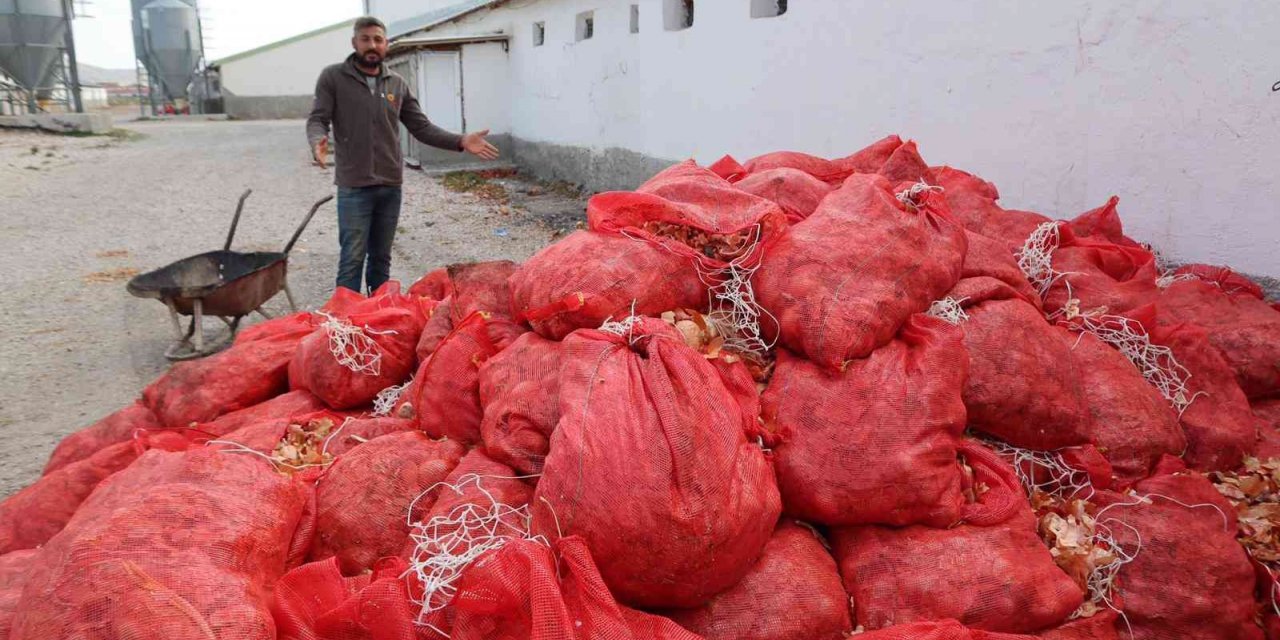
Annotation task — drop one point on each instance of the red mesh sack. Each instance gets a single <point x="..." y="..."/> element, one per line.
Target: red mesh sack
<point x="1224" y="278"/>
<point x="1189" y="579"/>
<point x="177" y="546"/>
<point x="462" y="290"/>
<point x="281" y="407"/>
<point x="1101" y="274"/>
<point x="13" y="575"/>
<point x="972" y="200"/>
<point x="828" y="171"/>
<point x="481" y="286"/>
<point x="520" y="392"/>
<point x="833" y="172"/>
<point x="897" y="257"/>
<point x="1099" y="627"/>
<point x="1086" y="285"/>
<point x="690" y="197"/>
<point x="353" y="432"/>
<point x="1244" y="328"/>
<point x="1132" y="424"/>
<point x="793" y="593"/>
<point x="1268" y="414"/>
<point x="497" y="483"/>
<point x="729" y="168"/>
<point x="651" y="466"/>
<point x="263" y="435"/>
<point x="1011" y="226"/>
<point x="297" y="325"/>
<point x="797" y="192"/>
<point x="242" y="376"/>
<point x="437" y="328"/>
<point x="1023" y="386"/>
<point x="687" y="221"/>
<point x="871" y="158"/>
<point x="478" y="495"/>
<point x="445" y="393"/>
<point x="117" y="427"/>
<point x="1219" y="426"/>
<point x="588" y="278"/>
<point x="990" y="258"/>
<point x="363" y="499"/>
<point x="436" y="285"/>
<point x="996" y="576"/>
<point x="522" y="592"/>
<point x="877" y="442"/>
<point x="906" y="165"/>
<point x="315" y="602"/>
<point x="1104" y="223"/>
<point x="31" y="516"/>
<point x="375" y="348"/>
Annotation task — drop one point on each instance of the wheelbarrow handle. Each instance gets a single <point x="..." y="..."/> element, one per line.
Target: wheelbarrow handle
<point x="235" y="222"/>
<point x="305" y="221"/>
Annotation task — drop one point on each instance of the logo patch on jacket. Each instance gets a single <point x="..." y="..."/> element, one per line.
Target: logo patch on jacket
<point x="391" y="97"/>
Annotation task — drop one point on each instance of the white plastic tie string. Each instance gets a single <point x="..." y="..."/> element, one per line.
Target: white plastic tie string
<point x="352" y="347"/>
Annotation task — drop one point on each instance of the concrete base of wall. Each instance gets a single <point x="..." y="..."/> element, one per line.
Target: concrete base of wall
<point x="611" y="169"/>
<point x="60" y="122"/>
<point x="267" y="107"/>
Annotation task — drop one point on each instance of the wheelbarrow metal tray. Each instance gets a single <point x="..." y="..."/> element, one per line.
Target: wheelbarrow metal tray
<point x="228" y="283"/>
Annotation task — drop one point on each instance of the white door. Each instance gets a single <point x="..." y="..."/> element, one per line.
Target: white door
<point x="407" y="67"/>
<point x="441" y="95"/>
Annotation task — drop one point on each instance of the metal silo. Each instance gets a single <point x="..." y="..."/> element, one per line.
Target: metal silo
<point x="33" y="34"/>
<point x="139" y="44"/>
<point x="171" y="44"/>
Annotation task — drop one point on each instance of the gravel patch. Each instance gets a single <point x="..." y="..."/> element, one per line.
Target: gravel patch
<point x="83" y="214"/>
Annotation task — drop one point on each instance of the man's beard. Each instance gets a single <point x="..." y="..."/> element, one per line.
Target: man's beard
<point x="371" y="57"/>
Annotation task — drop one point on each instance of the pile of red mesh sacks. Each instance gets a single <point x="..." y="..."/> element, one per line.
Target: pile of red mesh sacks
<point x="787" y="399"/>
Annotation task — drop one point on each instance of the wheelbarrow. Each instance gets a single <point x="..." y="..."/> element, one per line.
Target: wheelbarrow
<point x="226" y="284"/>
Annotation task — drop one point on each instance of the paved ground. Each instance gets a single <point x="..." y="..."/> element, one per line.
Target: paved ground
<point x="81" y="215"/>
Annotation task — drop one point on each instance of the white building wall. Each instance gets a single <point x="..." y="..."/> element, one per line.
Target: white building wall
<point x="287" y="70"/>
<point x="1168" y="105"/>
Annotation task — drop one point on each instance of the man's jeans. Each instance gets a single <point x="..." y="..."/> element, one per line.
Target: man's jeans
<point x="366" y="228"/>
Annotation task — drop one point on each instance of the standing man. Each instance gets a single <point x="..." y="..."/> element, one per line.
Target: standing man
<point x="366" y="103"/>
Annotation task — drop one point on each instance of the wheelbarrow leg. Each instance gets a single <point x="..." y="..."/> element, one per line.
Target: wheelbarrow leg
<point x="234" y="325"/>
<point x="289" y="294"/>
<point x="173" y="316"/>
<point x="197" y="323"/>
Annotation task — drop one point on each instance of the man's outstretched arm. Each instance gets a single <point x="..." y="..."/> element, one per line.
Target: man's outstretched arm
<point x="320" y="118"/>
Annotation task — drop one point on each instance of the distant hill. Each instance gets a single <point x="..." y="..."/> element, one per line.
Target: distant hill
<point x="90" y="74"/>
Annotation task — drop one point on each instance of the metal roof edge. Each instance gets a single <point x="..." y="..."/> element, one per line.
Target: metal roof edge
<point x="436" y="18"/>
<point x="409" y="43"/>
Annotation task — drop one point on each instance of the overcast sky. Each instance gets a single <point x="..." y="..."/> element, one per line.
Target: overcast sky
<point x="231" y="26"/>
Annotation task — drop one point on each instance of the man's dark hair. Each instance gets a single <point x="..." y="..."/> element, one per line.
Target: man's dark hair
<point x="369" y="21"/>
